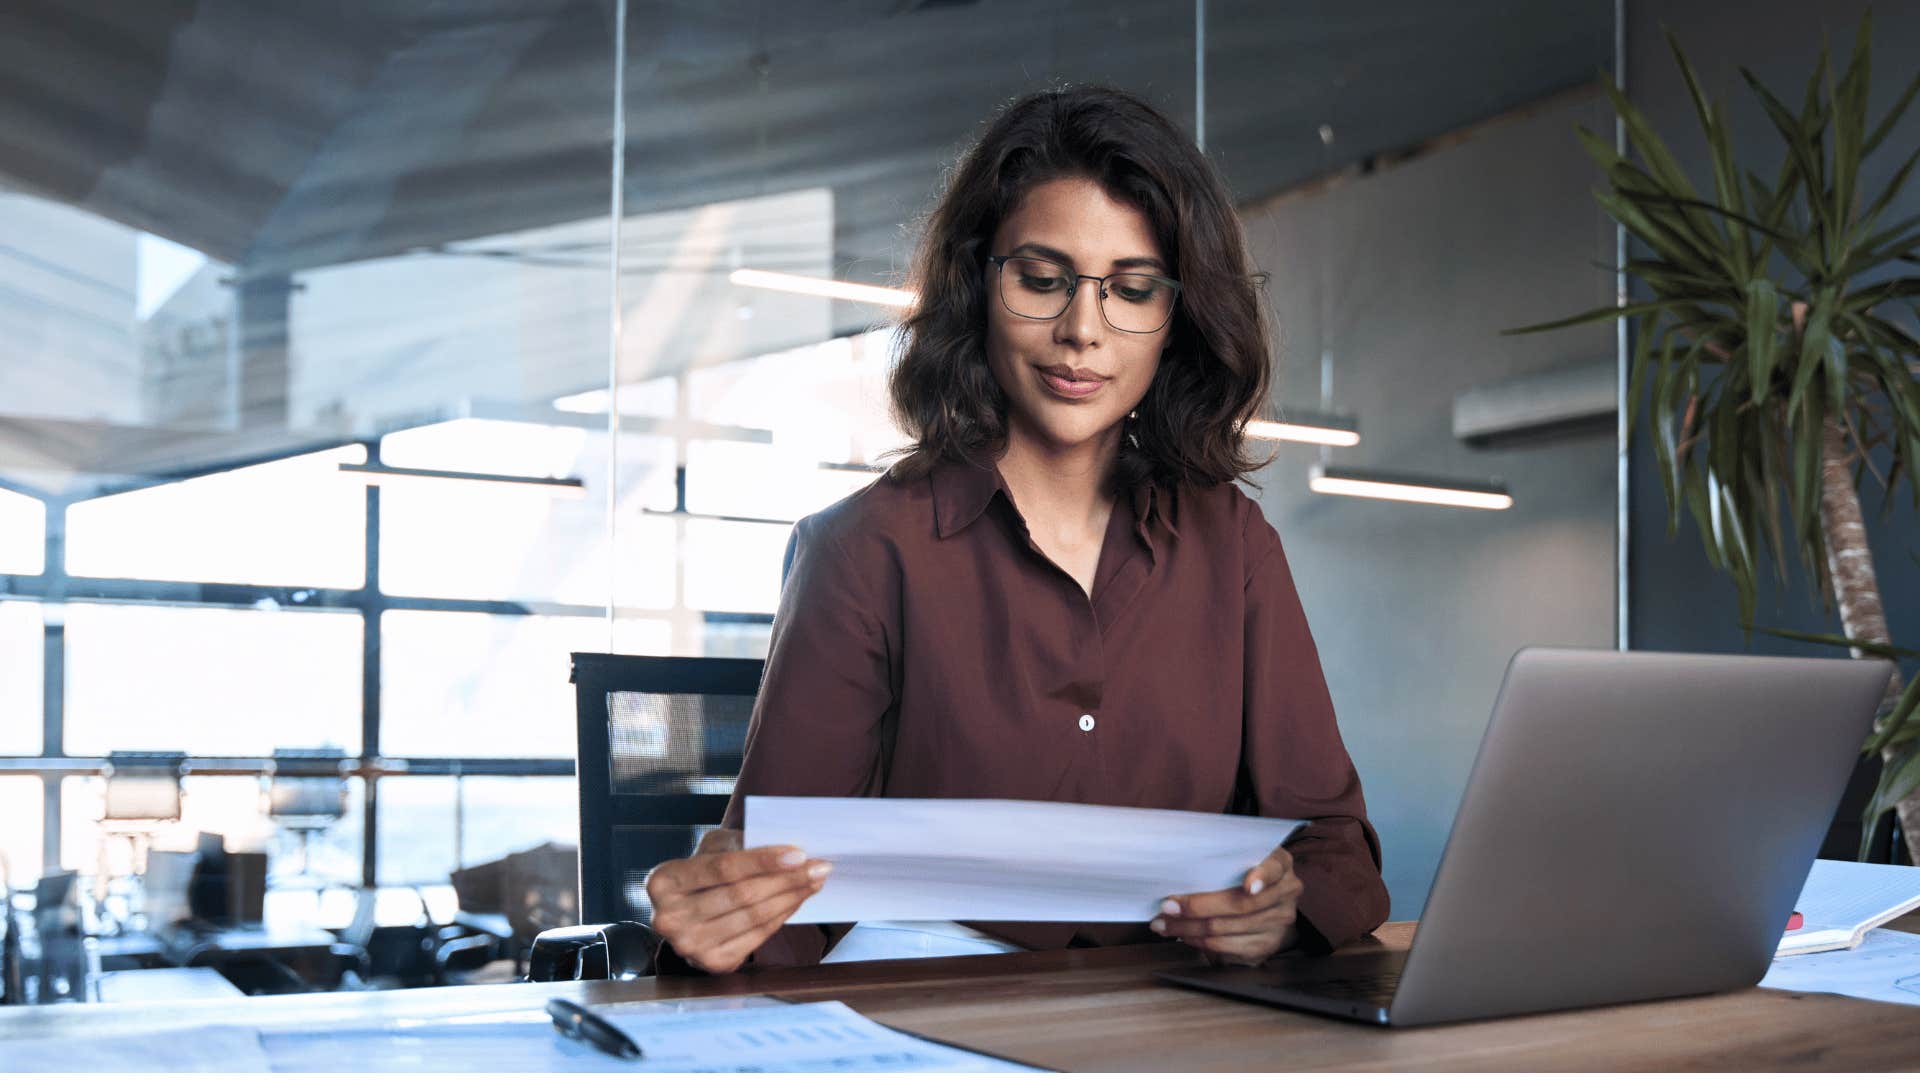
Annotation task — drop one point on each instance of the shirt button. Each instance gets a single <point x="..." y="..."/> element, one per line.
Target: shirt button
<point x="1086" y="723"/>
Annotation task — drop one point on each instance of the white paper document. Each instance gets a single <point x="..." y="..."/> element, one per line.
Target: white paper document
<point x="1886" y="967"/>
<point x="221" y="1048"/>
<point x="1008" y="860"/>
<point x="1842" y="900"/>
<point x="698" y="1035"/>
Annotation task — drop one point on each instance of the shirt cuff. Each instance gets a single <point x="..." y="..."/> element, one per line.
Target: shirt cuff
<point x="1345" y="898"/>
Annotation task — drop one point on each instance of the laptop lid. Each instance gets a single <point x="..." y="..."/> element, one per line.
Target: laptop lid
<point x="1636" y="825"/>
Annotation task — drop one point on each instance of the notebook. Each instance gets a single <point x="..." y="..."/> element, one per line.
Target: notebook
<point x="1844" y="900"/>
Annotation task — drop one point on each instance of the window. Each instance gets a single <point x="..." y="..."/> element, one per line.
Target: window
<point x="765" y="480"/>
<point x="461" y="684"/>
<point x="216" y="681"/>
<point x="23" y="533"/>
<point x="734" y="566"/>
<point x="298" y="521"/>
<point x="537" y="546"/>
<point x="21" y="814"/>
<point x="433" y="825"/>
<point x="22" y="662"/>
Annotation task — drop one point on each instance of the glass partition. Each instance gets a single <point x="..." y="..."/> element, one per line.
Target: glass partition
<point x="342" y="395"/>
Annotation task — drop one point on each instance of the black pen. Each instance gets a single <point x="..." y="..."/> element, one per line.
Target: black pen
<point x="577" y="1022"/>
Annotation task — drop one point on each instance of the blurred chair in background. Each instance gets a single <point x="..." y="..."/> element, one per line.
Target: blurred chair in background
<point x="59" y="973"/>
<point x="306" y="806"/>
<point x="12" y="978"/>
<point x="661" y="740"/>
<point x="511" y="900"/>
<point x="142" y="797"/>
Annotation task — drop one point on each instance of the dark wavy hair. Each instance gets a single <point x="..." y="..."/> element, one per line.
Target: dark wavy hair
<point x="1214" y="374"/>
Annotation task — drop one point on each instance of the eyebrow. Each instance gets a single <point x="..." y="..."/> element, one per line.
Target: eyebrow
<point x="1133" y="262"/>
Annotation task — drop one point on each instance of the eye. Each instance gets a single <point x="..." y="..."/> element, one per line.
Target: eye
<point x="1042" y="283"/>
<point x="1136" y="290"/>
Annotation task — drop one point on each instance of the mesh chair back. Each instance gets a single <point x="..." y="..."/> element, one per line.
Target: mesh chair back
<point x="661" y="740"/>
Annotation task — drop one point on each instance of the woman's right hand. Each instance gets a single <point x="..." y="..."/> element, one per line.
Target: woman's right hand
<point x="717" y="905"/>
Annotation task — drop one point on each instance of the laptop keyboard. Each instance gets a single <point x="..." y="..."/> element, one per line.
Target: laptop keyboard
<point x="1377" y="989"/>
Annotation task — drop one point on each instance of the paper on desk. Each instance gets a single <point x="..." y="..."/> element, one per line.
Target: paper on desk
<point x="1886" y="967"/>
<point x="203" y="1049"/>
<point x="1841" y="899"/>
<point x="700" y="1035"/>
<point x="1005" y="859"/>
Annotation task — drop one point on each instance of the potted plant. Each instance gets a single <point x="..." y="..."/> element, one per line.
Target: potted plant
<point x="1771" y="361"/>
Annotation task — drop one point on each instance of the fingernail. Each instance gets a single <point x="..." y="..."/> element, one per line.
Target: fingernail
<point x="1254" y="887"/>
<point x="1171" y="907"/>
<point x="1158" y="926"/>
<point x="793" y="858"/>
<point x="819" y="870"/>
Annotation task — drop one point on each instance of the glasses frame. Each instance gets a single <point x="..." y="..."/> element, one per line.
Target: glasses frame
<point x="1073" y="288"/>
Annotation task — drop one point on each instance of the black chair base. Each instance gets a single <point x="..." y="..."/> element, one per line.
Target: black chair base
<point x="621" y="950"/>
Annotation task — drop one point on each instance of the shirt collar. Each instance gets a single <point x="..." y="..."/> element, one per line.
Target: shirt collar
<point x="962" y="491"/>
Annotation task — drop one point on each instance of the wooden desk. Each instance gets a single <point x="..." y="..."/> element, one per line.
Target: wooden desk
<point x="1100" y="1009"/>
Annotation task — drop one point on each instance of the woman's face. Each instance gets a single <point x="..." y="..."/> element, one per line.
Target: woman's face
<point x="1071" y="380"/>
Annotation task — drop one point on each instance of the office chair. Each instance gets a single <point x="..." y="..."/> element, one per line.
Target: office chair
<point x="12" y="979"/>
<point x="660" y="743"/>
<point x="142" y="798"/>
<point x="306" y="806"/>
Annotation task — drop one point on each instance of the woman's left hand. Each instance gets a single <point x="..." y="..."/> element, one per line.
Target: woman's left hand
<point x="1243" y="925"/>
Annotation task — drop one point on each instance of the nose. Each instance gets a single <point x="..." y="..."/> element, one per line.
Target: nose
<point x="1082" y="324"/>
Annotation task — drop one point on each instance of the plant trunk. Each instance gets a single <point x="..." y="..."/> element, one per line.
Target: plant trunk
<point x="1856" y="588"/>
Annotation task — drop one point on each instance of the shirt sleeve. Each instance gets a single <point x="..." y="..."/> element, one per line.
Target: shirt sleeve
<point x="821" y="712"/>
<point x="1294" y="763"/>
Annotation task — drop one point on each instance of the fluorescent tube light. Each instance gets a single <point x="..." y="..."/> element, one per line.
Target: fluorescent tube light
<point x="1320" y="429"/>
<point x="1401" y="487"/>
<point x="827" y="287"/>
<point x="560" y="487"/>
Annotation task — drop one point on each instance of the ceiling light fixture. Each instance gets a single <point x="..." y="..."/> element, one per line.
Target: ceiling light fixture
<point x="1321" y="429"/>
<point x="826" y="287"/>
<point x="560" y="487"/>
<point x="1405" y="487"/>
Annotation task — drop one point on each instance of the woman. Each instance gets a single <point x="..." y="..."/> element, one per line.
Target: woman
<point x="1058" y="593"/>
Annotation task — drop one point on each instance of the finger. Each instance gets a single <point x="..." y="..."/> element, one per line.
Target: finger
<point x="689" y="909"/>
<point x="731" y="949"/>
<point x="719" y="840"/>
<point x="1272" y="919"/>
<point x="1235" y="901"/>
<point x="706" y="871"/>
<point x="1271" y="870"/>
<point x="768" y="911"/>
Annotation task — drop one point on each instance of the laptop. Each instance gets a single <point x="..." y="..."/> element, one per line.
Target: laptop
<point x="1637" y="825"/>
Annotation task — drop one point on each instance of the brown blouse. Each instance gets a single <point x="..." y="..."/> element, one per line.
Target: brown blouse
<point x="925" y="647"/>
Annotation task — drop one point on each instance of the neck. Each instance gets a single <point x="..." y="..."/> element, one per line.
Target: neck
<point x="1067" y="486"/>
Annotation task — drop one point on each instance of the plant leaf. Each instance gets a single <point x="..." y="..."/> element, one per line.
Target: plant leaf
<point x="1763" y="311"/>
<point x="1596" y="315"/>
<point x="1801" y="145"/>
<point x="1901" y="723"/>
<point x="1885" y="127"/>
<point x="1849" y="130"/>
<point x="1840" y="641"/>
<point x="1897" y="779"/>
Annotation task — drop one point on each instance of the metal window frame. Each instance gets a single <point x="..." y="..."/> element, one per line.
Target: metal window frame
<point x="54" y="586"/>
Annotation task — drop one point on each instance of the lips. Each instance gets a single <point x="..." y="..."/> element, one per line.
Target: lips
<point x="1073" y="384"/>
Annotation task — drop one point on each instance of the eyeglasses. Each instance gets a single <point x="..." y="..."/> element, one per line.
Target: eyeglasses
<point x="1132" y="302"/>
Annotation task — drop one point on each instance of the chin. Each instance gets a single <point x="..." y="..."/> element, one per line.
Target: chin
<point x="1068" y="431"/>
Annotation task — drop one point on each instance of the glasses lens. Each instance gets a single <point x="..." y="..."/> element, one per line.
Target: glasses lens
<point x="1035" y="288"/>
<point x="1137" y="303"/>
